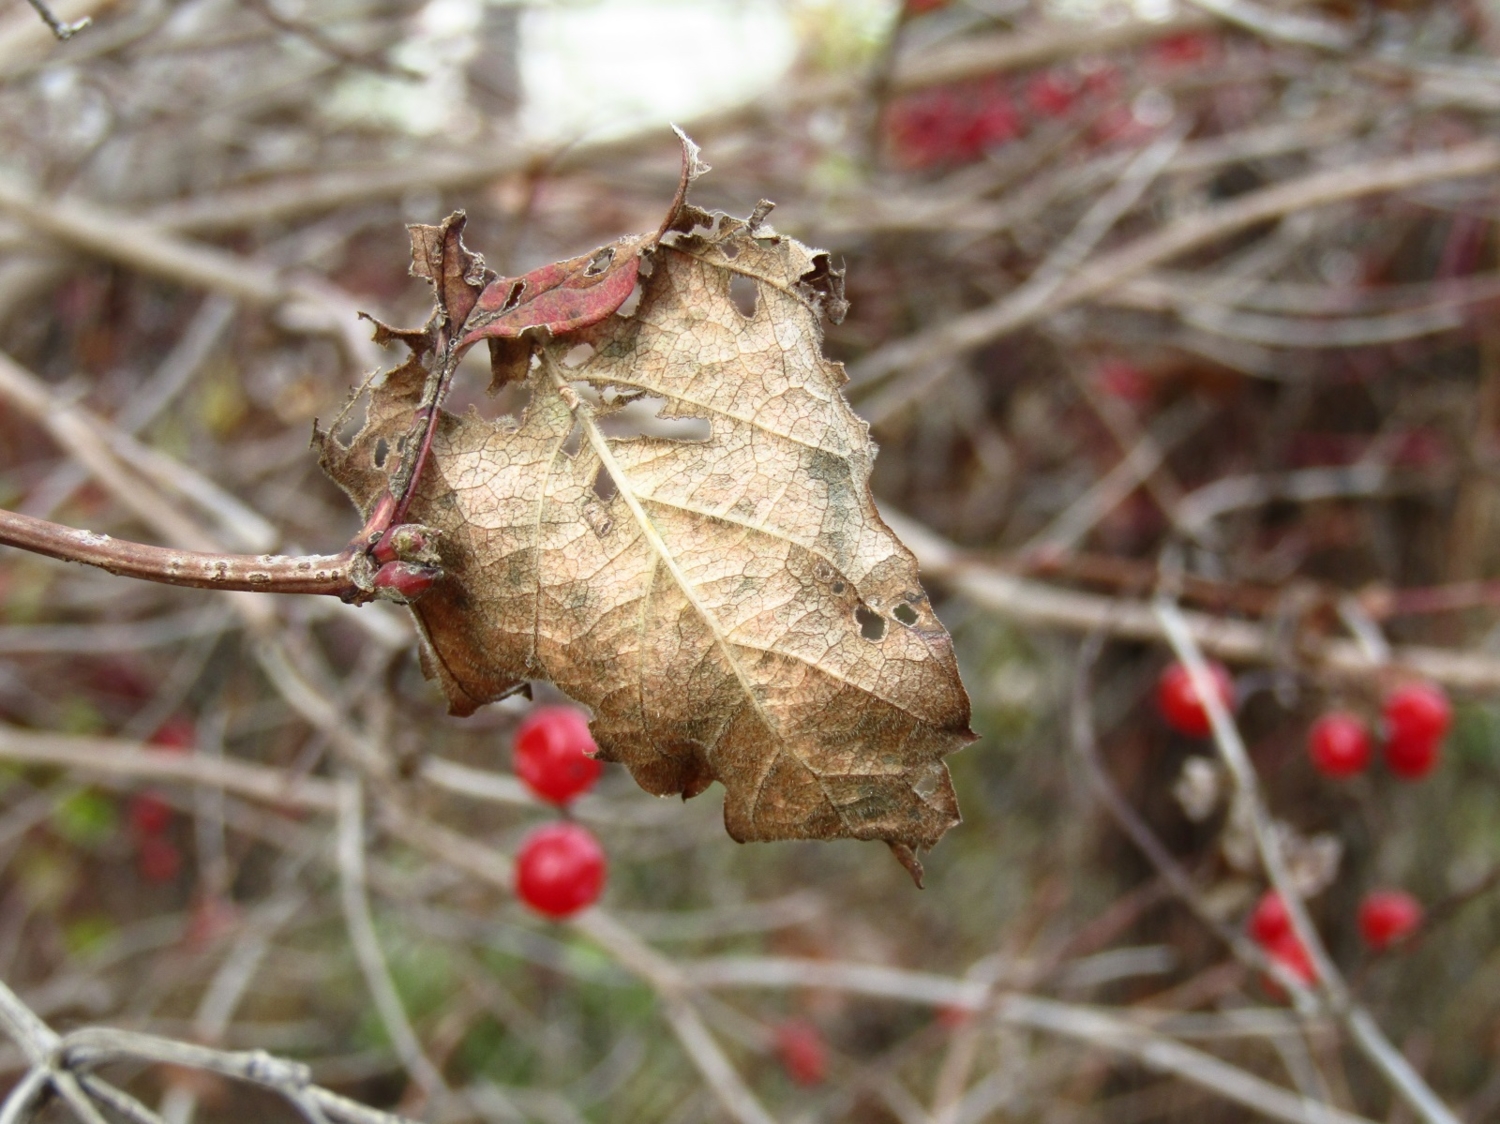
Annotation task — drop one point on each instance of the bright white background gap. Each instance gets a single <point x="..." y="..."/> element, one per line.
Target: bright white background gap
<point x="609" y="67"/>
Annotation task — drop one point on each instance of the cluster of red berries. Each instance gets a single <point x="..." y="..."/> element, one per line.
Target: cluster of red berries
<point x="952" y="124"/>
<point x="560" y="867"/>
<point x="802" y="1052"/>
<point x="1386" y="917"/>
<point x="1416" y="720"/>
<point x="958" y="123"/>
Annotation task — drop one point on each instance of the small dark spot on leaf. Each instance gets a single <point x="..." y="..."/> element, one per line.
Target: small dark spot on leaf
<point x="871" y="623"/>
<point x="594" y="515"/>
<point x="838" y="587"/>
<point x="905" y="614"/>
<point x="382" y="448"/>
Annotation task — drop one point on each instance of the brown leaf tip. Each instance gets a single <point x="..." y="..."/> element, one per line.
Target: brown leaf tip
<point x="907" y="857"/>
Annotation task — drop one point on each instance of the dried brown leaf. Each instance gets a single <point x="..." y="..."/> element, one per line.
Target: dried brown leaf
<point x="730" y="607"/>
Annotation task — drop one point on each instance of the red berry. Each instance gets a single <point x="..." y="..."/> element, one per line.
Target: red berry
<point x="1339" y="744"/>
<point x="994" y="122"/>
<point x="560" y="869"/>
<point x="1269" y="921"/>
<point x="1418" y="710"/>
<point x="149" y="813"/>
<point x="1417" y="717"/>
<point x="178" y="735"/>
<point x="554" y="753"/>
<point x="1385" y="916"/>
<point x="1412" y="759"/>
<point x="158" y="860"/>
<point x="951" y="1016"/>
<point x="1180" y="704"/>
<point x="1052" y="93"/>
<point x="1287" y="951"/>
<point x="1124" y="381"/>
<point x="951" y="124"/>
<point x="1292" y="955"/>
<point x="802" y="1052"/>
<point x="1183" y="49"/>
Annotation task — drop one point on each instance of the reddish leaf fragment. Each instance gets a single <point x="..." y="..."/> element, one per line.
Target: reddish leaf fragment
<point x="561" y="297"/>
<point x="568" y="295"/>
<point x="457" y="274"/>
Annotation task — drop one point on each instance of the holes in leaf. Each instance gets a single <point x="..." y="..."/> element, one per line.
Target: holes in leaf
<point x="642" y="417"/>
<point x="513" y="297"/>
<point x="929" y="782"/>
<point x="905" y="614"/>
<point x="605" y="487"/>
<point x="509" y="402"/>
<point x="346" y="428"/>
<point x="871" y="623"/>
<point x="744" y="292"/>
<point x="474" y="390"/>
<point x="631" y="303"/>
<point x="600" y="262"/>
<point x="612" y="396"/>
<point x="382" y="450"/>
<point x="578" y="356"/>
<point x="573" y="441"/>
<point x="730" y="250"/>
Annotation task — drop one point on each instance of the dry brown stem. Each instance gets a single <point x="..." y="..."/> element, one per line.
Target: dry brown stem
<point x="329" y="574"/>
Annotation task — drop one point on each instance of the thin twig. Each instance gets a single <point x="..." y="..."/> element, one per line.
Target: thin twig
<point x="1045" y="605"/>
<point x="671" y="988"/>
<point x="65" y="1062"/>
<point x="1040" y="290"/>
<point x="1128" y="820"/>
<point x="63" y="29"/>
<point x="972" y="329"/>
<point x="366" y="944"/>
<point x="115" y="757"/>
